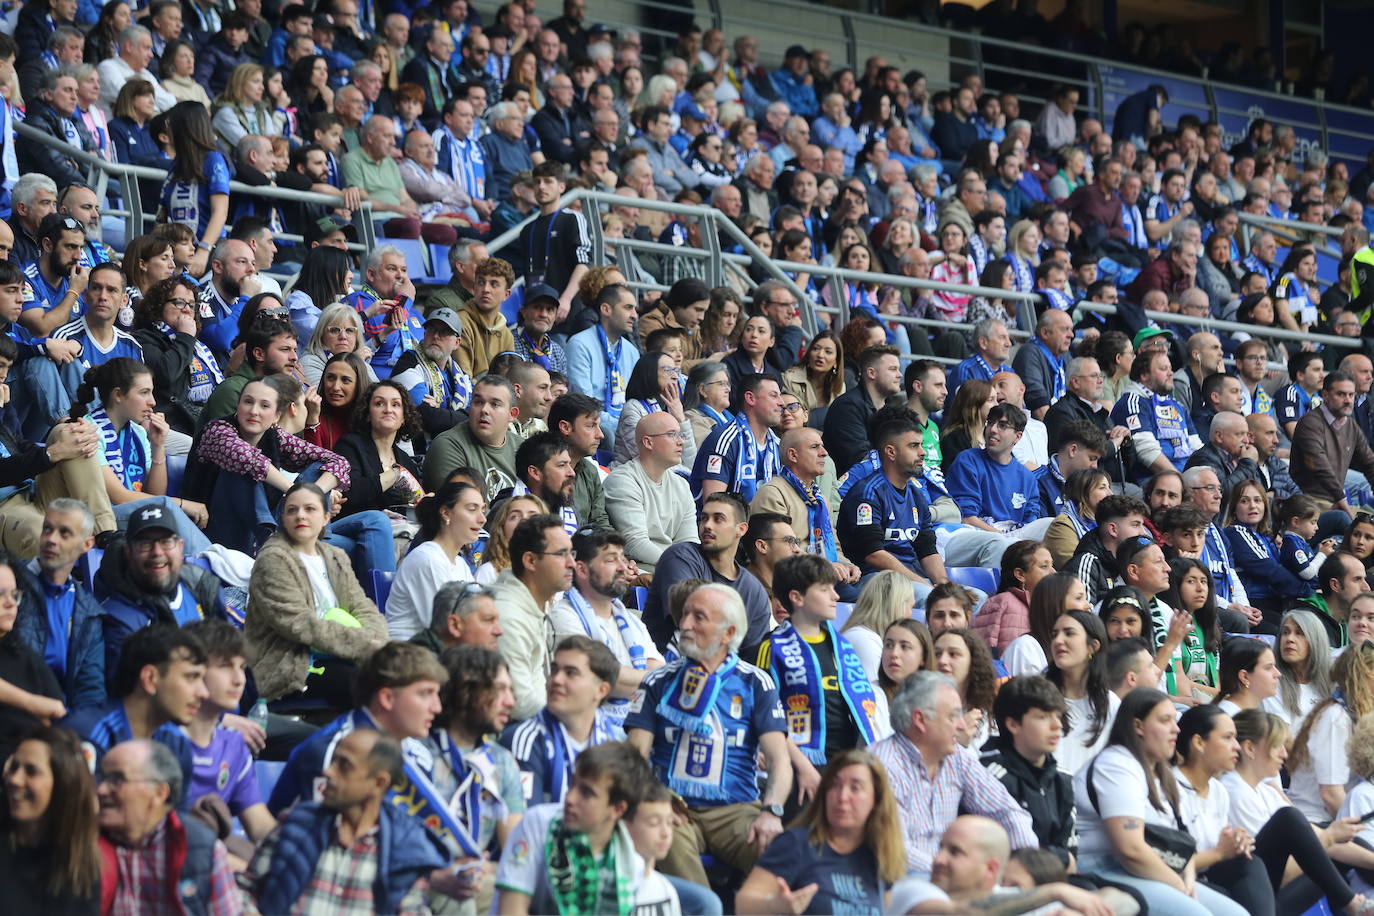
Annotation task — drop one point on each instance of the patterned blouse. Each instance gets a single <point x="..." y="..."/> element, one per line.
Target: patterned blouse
<point x="222" y="445"/>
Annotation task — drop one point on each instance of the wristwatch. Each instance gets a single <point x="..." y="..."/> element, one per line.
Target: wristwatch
<point x="775" y="810"/>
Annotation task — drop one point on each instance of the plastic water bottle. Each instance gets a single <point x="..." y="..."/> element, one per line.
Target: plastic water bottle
<point x="258" y="714"/>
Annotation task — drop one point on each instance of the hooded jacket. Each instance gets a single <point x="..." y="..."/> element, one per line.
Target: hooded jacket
<point x="128" y="606"/>
<point x="83" y="686"/>
<point x="1045" y="793"/>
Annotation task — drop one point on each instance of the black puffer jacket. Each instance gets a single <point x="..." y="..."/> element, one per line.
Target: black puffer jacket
<point x="1045" y="793"/>
<point x="1094" y="566"/>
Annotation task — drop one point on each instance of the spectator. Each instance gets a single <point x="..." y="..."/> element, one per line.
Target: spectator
<point x="541" y="566"/>
<point x="431" y="70"/>
<point x="538" y="310"/>
<point x="741" y="456"/>
<point x="1041" y="363"/>
<point x="483" y="332"/>
<point x="561" y="260"/>
<point x="1162" y="434"/>
<point x="602" y="358"/>
<point x="56" y="115"/>
<point x="382" y="475"/>
<point x="223" y="53"/>
<point x="464" y="614"/>
<point x="505" y="151"/>
<point x="135" y="53"/>
<point x="371" y="168"/>
<point x="648" y="503"/>
<point x="386" y="303"/>
<point x="438" y="388"/>
<point x="486" y="442"/>
<point x="1327" y="444"/>
<point x="671" y="174"/>
<point x="847" y="419"/>
<point x="50" y="849"/>
<point x="140" y="788"/>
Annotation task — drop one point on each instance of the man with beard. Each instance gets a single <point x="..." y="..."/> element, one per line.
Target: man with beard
<point x="720" y="525"/>
<point x="1326" y="445"/>
<point x="232" y="283"/>
<point x="439" y="387"/>
<point x="148" y="581"/>
<point x="1162" y="434"/>
<point x="593" y="608"/>
<point x="545" y="468"/>
<point x="742" y="455"/>
<point x="701" y="722"/>
<point x="577" y="418"/>
<point x="541" y="557"/>
<point x="572" y="720"/>
<point x="269" y="347"/>
<point x="96" y="331"/>
<point x="80" y="202"/>
<point x="56" y="280"/>
<point x="485" y="442"/>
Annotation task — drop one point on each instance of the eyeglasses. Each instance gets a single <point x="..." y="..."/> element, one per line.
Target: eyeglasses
<point x="348" y="330"/>
<point x="69" y="222"/>
<point x="1207" y="488"/>
<point x="145" y="545"/>
<point x="119" y="780"/>
<point x="1002" y="424"/>
<point x="794" y="407"/>
<point x="183" y="305"/>
<point x="790" y="540"/>
<point x="671" y="434"/>
<point x="719" y="381"/>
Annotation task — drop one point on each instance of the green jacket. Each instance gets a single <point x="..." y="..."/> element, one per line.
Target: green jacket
<point x="1335" y="629"/>
<point x="223" y="401"/>
<point x="589" y="499"/>
<point x="453" y="296"/>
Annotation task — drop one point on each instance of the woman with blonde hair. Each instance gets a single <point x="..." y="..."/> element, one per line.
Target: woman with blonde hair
<point x="241" y="110"/>
<point x="1023" y="254"/>
<point x="851" y="824"/>
<point x="885" y="598"/>
<point x="1320" y="776"/>
<point x="501" y="525"/>
<point x="339" y="330"/>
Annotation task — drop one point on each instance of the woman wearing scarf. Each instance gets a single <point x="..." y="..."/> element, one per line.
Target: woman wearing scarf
<point x="166" y="325"/>
<point x="1083" y="490"/>
<point x="808" y="658"/>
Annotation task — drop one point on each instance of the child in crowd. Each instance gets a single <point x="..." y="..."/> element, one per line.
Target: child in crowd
<point x="1298" y="519"/>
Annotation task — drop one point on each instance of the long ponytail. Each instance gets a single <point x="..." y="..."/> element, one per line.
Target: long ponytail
<point x="103" y="381"/>
<point x="429" y="511"/>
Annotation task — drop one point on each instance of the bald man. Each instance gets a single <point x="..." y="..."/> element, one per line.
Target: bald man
<point x="964" y="877"/>
<point x="795" y="494"/>
<point x="1228" y="452"/>
<point x="1361" y="369"/>
<point x="1204" y="358"/>
<point x="649" y="504"/>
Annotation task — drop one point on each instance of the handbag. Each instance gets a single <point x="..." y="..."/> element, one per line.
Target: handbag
<point x="1175" y="847"/>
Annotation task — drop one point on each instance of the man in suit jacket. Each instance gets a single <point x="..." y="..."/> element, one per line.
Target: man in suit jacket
<point x="431" y="72"/>
<point x="1081" y="402"/>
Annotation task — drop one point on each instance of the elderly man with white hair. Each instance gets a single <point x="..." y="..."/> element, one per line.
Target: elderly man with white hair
<point x="435" y="191"/>
<point x="701" y="721"/>
<point x="135" y="46"/>
<point x="372" y="168"/>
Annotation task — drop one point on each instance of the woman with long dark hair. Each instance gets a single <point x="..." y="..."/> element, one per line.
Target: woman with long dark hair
<point x="309" y="87"/>
<point x="1249" y="675"/>
<point x="49" y="838"/>
<point x="1006" y="615"/>
<point x="341" y="385"/>
<point x="196" y="193"/>
<point x="819" y="377"/>
<point x="1054" y="596"/>
<point x="963" y="655"/>
<point x="450" y="520"/>
<point x="148" y="260"/>
<point x="652" y="388"/>
<point x="1250" y="536"/>
<point x="1129" y="785"/>
<point x="1194" y="669"/>
<point x="1078" y="667"/>
<point x="382" y="475"/>
<point x="308" y="623"/>
<point x="965" y="420"/>
<point x="907" y="648"/>
<point x="1295" y="293"/>
<point x="102" y="40"/>
<point x="326" y="277"/>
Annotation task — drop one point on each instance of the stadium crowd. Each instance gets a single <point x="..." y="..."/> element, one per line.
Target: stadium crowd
<point x="562" y="587"/>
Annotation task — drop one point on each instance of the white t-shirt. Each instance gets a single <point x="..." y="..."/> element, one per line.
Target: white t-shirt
<point x="319" y="581"/>
<point x="1074" y="752"/>
<point x="1204" y="817"/>
<point x="1326" y="763"/>
<point x="605" y="630"/>
<point x="869" y="646"/>
<point x="1122" y="791"/>
<point x="1308" y="697"/>
<point x="486" y="573"/>
<point x="1228" y="707"/>
<point x="911" y="892"/>
<point x="1359" y="801"/>
<point x="656" y="897"/>
<point x="423" y="571"/>
<point x="1252" y="806"/>
<point x="1025" y="655"/>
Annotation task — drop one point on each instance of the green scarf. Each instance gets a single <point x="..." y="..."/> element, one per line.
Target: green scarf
<point x="579" y="881"/>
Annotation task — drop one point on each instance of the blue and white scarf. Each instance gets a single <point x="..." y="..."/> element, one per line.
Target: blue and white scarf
<point x="457" y="821"/>
<point x="697" y="767"/>
<point x="614" y="396"/>
<point x="1267" y="271"/>
<point x="817" y="516"/>
<point x="978" y="253"/>
<point x="632" y="632"/>
<point x="1058" y="299"/>
<point x="748" y="476"/>
<point x="558" y="756"/>
<point x="1057" y="366"/>
<point x="123" y="449"/>
<point x="568" y="513"/>
<point x="798" y="674"/>
<point x="1023" y="272"/>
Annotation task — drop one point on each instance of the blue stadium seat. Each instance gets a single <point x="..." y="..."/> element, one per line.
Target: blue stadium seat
<point x="267" y="773"/>
<point x="438" y="263"/>
<point x="842" y="612"/>
<point x="975" y="577"/>
<point x="641" y="597"/>
<point x="417" y="259"/>
<point x="92" y="560"/>
<point x="176" y="470"/>
<point x="381" y="588"/>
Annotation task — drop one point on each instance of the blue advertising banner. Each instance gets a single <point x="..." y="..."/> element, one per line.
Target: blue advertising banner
<point x="1236" y="108"/>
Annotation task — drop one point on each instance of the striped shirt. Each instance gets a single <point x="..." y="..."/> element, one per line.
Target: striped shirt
<point x="928" y="806"/>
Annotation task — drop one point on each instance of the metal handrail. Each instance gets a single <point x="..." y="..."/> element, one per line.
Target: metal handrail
<point x="128" y="176"/>
<point x="1291" y="225"/>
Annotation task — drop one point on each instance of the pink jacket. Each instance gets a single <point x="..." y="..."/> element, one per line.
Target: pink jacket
<point x="1003" y="617"/>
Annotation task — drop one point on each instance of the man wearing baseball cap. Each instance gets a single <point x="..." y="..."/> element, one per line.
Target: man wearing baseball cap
<point x="437" y="384"/>
<point x="329" y="230"/>
<point x="794" y="82"/>
<point x="532" y="340"/>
